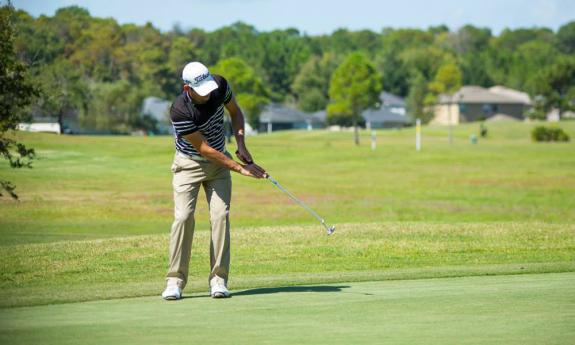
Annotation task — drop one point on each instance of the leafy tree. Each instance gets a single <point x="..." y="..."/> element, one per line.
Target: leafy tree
<point x="247" y="85"/>
<point x="416" y="100"/>
<point x="425" y="60"/>
<point x="470" y="39"/>
<point x="142" y="60"/>
<point x="355" y="86"/>
<point x="566" y="38"/>
<point x="447" y="80"/>
<point x="498" y="64"/>
<point x="71" y="23"/>
<point x="182" y="51"/>
<point x="343" y="41"/>
<point x="557" y="84"/>
<point x="399" y="59"/>
<point x="311" y="85"/>
<point x="73" y="48"/>
<point x="95" y="53"/>
<point x="395" y="76"/>
<point x="252" y="105"/>
<point x="474" y="69"/>
<point x="236" y="40"/>
<point x="114" y="107"/>
<point x="63" y="90"/>
<point x="438" y="30"/>
<point x="529" y="59"/>
<point x="39" y="41"/>
<point x="16" y="92"/>
<point x="512" y="39"/>
<point x="406" y="38"/>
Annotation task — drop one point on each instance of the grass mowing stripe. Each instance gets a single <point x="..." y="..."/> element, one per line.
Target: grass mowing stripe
<point x="526" y="309"/>
<point x="134" y="266"/>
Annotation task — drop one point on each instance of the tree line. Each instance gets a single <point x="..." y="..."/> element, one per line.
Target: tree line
<point x="100" y="71"/>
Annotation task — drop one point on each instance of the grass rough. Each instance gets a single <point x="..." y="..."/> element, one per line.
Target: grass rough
<point x="265" y="256"/>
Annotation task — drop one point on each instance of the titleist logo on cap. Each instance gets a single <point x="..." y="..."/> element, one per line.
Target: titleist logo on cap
<point x="201" y="77"/>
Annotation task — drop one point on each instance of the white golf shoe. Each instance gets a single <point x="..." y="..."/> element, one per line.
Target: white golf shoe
<point x="172" y="292"/>
<point x="219" y="291"/>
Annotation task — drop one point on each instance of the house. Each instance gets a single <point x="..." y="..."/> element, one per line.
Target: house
<point x="393" y="103"/>
<point x="318" y="120"/>
<point x="44" y="127"/>
<point x="390" y="114"/>
<point x="384" y="118"/>
<point x="279" y="117"/>
<point x="159" y="110"/>
<point x="475" y="103"/>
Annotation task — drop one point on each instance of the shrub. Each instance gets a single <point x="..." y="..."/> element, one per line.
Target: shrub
<point x="541" y="133"/>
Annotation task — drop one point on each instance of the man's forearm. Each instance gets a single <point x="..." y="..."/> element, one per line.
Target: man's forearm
<point x="238" y="127"/>
<point x="219" y="158"/>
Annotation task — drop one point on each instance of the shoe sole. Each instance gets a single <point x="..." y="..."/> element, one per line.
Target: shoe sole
<point x="171" y="298"/>
<point x="220" y="295"/>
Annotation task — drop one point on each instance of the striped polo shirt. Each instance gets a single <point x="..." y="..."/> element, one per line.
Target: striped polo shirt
<point x="188" y="117"/>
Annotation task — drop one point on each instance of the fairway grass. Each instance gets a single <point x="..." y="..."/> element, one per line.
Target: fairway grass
<point x="58" y="272"/>
<point x="84" y="187"/>
<point x="521" y="309"/>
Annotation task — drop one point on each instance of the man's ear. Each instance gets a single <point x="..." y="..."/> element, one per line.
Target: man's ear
<point x="186" y="87"/>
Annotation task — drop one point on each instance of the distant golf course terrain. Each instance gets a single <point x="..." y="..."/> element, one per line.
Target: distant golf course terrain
<point x="455" y="244"/>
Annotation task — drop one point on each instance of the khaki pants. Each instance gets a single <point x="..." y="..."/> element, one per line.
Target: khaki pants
<point x="189" y="175"/>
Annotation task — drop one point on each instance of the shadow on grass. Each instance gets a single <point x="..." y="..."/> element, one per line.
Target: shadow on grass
<point x="196" y="296"/>
<point x="262" y="291"/>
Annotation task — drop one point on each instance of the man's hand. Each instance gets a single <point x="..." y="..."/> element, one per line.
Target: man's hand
<point x="244" y="155"/>
<point x="253" y="170"/>
<point x="250" y="168"/>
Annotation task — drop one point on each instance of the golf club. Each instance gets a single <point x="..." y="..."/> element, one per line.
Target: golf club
<point x="330" y="229"/>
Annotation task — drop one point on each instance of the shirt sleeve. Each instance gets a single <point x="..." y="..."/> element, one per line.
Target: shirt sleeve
<point x="228" y="94"/>
<point x="182" y="121"/>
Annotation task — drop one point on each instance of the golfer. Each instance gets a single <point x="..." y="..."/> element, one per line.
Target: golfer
<point x="201" y="160"/>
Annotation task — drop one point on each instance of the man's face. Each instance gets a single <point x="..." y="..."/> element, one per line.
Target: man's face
<point x="196" y="97"/>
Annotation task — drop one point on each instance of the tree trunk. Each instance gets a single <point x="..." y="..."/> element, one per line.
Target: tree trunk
<point x="61" y="120"/>
<point x="355" y="130"/>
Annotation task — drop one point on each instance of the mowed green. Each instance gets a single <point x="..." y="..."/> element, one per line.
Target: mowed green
<point x="520" y="309"/>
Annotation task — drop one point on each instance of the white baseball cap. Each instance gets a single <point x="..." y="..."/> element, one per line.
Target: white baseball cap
<point x="197" y="76"/>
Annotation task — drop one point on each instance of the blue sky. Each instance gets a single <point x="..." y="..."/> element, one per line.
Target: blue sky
<point x="322" y="16"/>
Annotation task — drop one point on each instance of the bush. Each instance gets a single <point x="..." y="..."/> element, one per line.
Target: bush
<point x="541" y="133"/>
<point x="344" y="120"/>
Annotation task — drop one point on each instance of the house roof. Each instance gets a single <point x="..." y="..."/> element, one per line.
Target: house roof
<point x="478" y="94"/>
<point x="382" y="115"/>
<point x="319" y="116"/>
<point x="278" y="113"/>
<point x="505" y="91"/>
<point x="389" y="99"/>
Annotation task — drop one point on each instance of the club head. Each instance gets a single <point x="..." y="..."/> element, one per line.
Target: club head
<point x="330" y="230"/>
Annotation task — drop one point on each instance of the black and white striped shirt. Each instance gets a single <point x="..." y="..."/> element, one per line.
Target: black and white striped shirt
<point x="208" y="118"/>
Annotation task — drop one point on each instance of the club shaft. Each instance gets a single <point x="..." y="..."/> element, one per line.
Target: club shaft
<point x="299" y="202"/>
